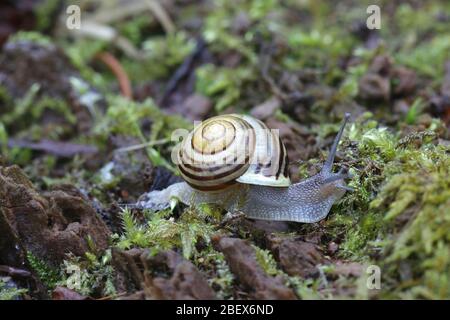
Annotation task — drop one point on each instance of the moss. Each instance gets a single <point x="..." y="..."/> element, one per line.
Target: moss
<point x="223" y="85"/>
<point x="190" y="233"/>
<point x="397" y="217"/>
<point x="416" y="23"/>
<point x="48" y="275"/>
<point x="82" y="55"/>
<point x="348" y="87"/>
<point x="304" y="288"/>
<point x="134" y="29"/>
<point x="10" y="293"/>
<point x="92" y="275"/>
<point x="161" y="232"/>
<point x="31" y="36"/>
<point x="3" y="140"/>
<point x="308" y="48"/>
<point x="5" y="98"/>
<point x="399" y="212"/>
<point x="29" y="108"/>
<point x="218" y="24"/>
<point x="418" y="189"/>
<point x="222" y="279"/>
<point x="125" y="117"/>
<point x="45" y="13"/>
<point x="429" y="57"/>
<point x="163" y="55"/>
<point x="266" y="261"/>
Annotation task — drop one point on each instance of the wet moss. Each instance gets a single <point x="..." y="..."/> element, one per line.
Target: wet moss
<point x="398" y="215"/>
<point x="91" y="275"/>
<point x="223" y="85"/>
<point x="48" y="275"/>
<point x="162" y="232"/>
<point x="8" y="292"/>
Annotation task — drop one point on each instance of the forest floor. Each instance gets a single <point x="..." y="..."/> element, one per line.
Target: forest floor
<point x="86" y="118"/>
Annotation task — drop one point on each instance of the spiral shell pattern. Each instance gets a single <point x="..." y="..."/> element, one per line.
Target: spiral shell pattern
<point x="232" y="148"/>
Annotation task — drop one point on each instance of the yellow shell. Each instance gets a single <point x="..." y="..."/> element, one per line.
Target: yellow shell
<point x="233" y="148"/>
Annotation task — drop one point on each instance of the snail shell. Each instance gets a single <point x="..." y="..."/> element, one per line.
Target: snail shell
<point x="227" y="149"/>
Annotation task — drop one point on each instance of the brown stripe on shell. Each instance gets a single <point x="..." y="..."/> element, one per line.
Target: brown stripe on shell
<point x="213" y="188"/>
<point x="207" y="169"/>
<point x="281" y="160"/>
<point x="215" y="177"/>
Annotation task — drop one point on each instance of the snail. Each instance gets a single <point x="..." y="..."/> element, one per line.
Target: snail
<point x="235" y="161"/>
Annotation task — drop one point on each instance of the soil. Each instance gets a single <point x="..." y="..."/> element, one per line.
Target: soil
<point x="86" y="124"/>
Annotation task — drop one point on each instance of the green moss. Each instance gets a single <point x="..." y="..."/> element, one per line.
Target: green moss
<point x="266" y="261"/>
<point x="22" y="106"/>
<point x="82" y="55"/>
<point x="397" y="217"/>
<point x="47" y="274"/>
<point x="418" y="190"/>
<point x="218" y="24"/>
<point x="92" y="275"/>
<point x="133" y="29"/>
<point x="304" y="288"/>
<point x="5" y="98"/>
<point x="45" y="13"/>
<point x="222" y="279"/>
<point x="3" y="140"/>
<point x="30" y="107"/>
<point x="7" y="293"/>
<point x="416" y="23"/>
<point x="315" y="49"/>
<point x="223" y="85"/>
<point x="31" y="36"/>
<point x="399" y="211"/>
<point x="161" y="232"/>
<point x="163" y="55"/>
<point x="429" y="57"/>
<point x="125" y="117"/>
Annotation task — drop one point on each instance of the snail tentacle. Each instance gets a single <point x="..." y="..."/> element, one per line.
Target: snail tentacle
<point x="328" y="165"/>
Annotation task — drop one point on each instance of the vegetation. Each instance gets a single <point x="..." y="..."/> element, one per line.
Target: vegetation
<point x="311" y="56"/>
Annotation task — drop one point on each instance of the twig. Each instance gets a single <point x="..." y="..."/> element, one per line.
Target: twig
<point x="142" y="145"/>
<point x="119" y="72"/>
<point x="120" y="11"/>
<point x="182" y="71"/>
<point x="161" y="15"/>
<point x="107" y="33"/>
<point x="15" y="272"/>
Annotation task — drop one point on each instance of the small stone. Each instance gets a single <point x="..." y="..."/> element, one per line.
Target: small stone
<point x="197" y="107"/>
<point x="333" y="247"/>
<point x="374" y="87"/>
<point x="241" y="258"/>
<point x="404" y="79"/>
<point x="266" y="109"/>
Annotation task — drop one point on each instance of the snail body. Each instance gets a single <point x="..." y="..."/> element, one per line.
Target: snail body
<point x="235" y="161"/>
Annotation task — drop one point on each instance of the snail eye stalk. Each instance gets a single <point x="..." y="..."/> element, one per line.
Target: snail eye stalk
<point x="330" y="160"/>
